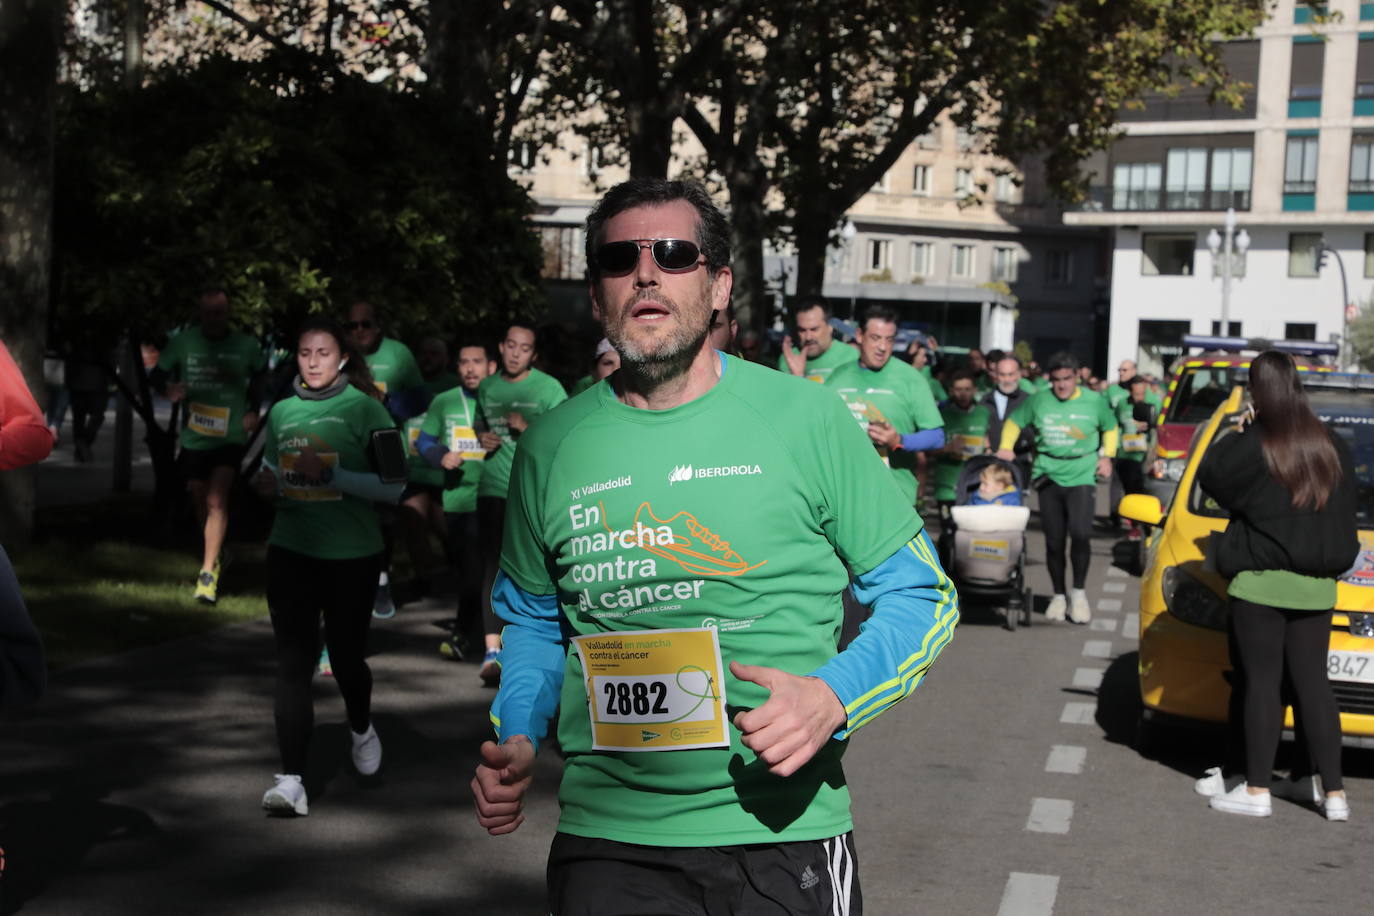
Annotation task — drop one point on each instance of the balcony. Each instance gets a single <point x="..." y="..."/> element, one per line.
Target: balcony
<point x="1126" y="200"/>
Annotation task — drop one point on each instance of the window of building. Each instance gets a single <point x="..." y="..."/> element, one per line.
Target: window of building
<point x="1302" y="253"/>
<point x="920" y="180"/>
<point x="1362" y="165"/>
<point x="1232" y="328"/>
<point x="1300" y="166"/>
<point x="1004" y="264"/>
<point x="930" y="139"/>
<point x="564" y="253"/>
<point x="879" y="254"/>
<point x="1303" y="331"/>
<point x="963" y="182"/>
<point x="1135" y="186"/>
<point x="1231" y="178"/>
<point x="522" y="155"/>
<point x="922" y="259"/>
<point x="1004" y="189"/>
<point x="1059" y="267"/>
<point x="591" y="161"/>
<point x="1160" y="343"/>
<point x="961" y="263"/>
<point x="1185" y="179"/>
<point x="1167" y="254"/>
<point x="1305" y="80"/>
<point x="1369" y="254"/>
<point x="963" y="139"/>
<point x="1364" y="70"/>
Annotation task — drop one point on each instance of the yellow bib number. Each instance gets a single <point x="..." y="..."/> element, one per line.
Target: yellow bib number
<point x="654" y="690"/>
<point x="413" y="436"/>
<point x="969" y="446"/>
<point x="1135" y="442"/>
<point x="294" y="485"/>
<point x="983" y="549"/>
<point x="208" y="420"/>
<point x="463" y="440"/>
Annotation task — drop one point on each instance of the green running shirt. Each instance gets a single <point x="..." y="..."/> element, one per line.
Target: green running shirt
<point x="452" y="419"/>
<point x="317" y="519"/>
<point x="738" y="510"/>
<point x="897" y="394"/>
<point x="216" y="374"/>
<point x="819" y="369"/>
<point x="1067" y="434"/>
<point x="394" y="368"/>
<point x="1135" y="444"/>
<point x="533" y="396"/>
<point x="966" y="429"/>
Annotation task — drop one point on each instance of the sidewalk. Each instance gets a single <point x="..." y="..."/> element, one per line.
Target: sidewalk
<point x="64" y="481"/>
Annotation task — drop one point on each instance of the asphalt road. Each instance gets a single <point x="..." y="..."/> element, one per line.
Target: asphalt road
<point x="1007" y="784"/>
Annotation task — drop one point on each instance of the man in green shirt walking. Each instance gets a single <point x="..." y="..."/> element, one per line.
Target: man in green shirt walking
<point x="1075" y="441"/>
<point x="820" y="353"/>
<point x="966" y="435"/>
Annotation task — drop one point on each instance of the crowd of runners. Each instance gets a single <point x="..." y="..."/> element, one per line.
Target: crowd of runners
<point x="697" y="512"/>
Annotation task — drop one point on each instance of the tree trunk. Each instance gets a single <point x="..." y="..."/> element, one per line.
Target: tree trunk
<point x="748" y="226"/>
<point x="650" y="135"/>
<point x="29" y="32"/>
<point x="813" y="245"/>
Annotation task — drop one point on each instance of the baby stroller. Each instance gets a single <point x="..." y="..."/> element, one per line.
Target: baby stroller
<point x="984" y="547"/>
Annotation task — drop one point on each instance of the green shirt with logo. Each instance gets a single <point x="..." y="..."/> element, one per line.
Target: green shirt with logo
<point x="819" y="369"/>
<point x="895" y="394"/>
<point x="1068" y="434"/>
<point x="216" y="374"/>
<point x="315" y="518"/>
<point x="738" y="511"/>
<point x="452" y="419"/>
<point x="937" y="391"/>
<point x="394" y="368"/>
<point x="1135" y="443"/>
<point x="968" y="431"/>
<point x="420" y="471"/>
<point x="1116" y="394"/>
<point x="498" y="397"/>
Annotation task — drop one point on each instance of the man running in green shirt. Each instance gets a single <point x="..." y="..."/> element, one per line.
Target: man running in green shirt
<point x="421" y="512"/>
<point x="671" y="534"/>
<point x="966" y="435"/>
<point x="507" y="402"/>
<point x="820" y="354"/>
<point x="1072" y="426"/>
<point x="217" y="373"/>
<point x="889" y="399"/>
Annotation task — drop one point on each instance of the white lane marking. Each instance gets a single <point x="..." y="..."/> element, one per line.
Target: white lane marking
<point x="1088" y="677"/>
<point x="1050" y="815"/>
<point x="1076" y="713"/>
<point x="1130" y="627"/>
<point x="1113" y="588"/>
<point x="1109" y="604"/>
<point x="1066" y="758"/>
<point x="1098" y="648"/>
<point x="1029" y="895"/>
<point x="1102" y="624"/>
<point x="1117" y="571"/>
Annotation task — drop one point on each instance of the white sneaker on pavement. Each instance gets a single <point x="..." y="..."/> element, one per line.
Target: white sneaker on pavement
<point x="1336" y="808"/>
<point x="287" y="796"/>
<point x="1056" y="608"/>
<point x="1214" y="783"/>
<point x="366" y="750"/>
<point x="1240" y="801"/>
<point x="1079" y="609"/>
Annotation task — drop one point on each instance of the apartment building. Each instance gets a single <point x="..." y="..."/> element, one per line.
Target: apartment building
<point x="1296" y="163"/>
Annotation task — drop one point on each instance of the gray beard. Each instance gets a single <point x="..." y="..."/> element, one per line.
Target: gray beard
<point x="667" y="362"/>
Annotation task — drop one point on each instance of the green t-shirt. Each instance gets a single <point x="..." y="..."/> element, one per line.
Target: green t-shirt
<point x="420" y="471"/>
<point x="318" y="519"/>
<point x="582" y="385"/>
<point x="216" y="374"/>
<point x="897" y="394"/>
<point x="969" y="430"/>
<point x="937" y="391"/>
<point x="819" y="369"/>
<point x="1067" y="434"/>
<point x="497" y="396"/>
<point x="738" y="511"/>
<point x="1027" y="386"/>
<point x="452" y="419"/>
<point x="1116" y="394"/>
<point x="394" y="368"/>
<point x="1135" y="443"/>
<point x="1280" y="588"/>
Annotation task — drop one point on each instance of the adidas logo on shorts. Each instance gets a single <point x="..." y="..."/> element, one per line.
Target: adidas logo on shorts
<point x="809" y="879"/>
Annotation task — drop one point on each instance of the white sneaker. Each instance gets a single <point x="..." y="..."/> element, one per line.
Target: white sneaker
<point x="1240" y="801"/>
<point x="367" y="750"/>
<point x="1214" y="783"/>
<point x="1336" y="808"/>
<point x="1079" y="609"/>
<point x="1056" y="608"/>
<point x="1304" y="790"/>
<point x="287" y="796"/>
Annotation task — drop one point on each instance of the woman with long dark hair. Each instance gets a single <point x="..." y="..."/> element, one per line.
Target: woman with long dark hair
<point x="1288" y="484"/>
<point x="320" y="462"/>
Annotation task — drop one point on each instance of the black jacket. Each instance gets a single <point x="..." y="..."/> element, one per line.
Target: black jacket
<point x="1014" y="400"/>
<point x="1266" y="532"/>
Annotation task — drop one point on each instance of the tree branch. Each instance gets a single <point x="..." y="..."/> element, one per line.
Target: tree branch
<point x="255" y="28"/>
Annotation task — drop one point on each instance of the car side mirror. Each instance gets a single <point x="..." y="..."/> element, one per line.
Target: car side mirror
<point x="1143" y="508"/>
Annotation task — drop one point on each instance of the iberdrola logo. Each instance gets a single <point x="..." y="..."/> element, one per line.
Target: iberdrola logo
<point x="680" y="473"/>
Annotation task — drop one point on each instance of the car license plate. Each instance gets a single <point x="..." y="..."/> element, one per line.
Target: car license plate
<point x="1350" y="666"/>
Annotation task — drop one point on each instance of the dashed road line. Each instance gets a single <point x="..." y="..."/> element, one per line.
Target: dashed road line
<point x="1066" y="758"/>
<point x="1109" y="604"/>
<point x="1076" y="713"/>
<point x="1130" y="627"/>
<point x="1050" y="815"/>
<point x="1102" y="625"/>
<point x="1098" y="648"/>
<point x="1029" y="895"/>
<point x="1113" y="588"/>
<point x="1088" y="677"/>
<point x="1117" y="572"/>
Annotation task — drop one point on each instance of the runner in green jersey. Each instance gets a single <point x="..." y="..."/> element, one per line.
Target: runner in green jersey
<point x="889" y="399"/>
<point x="421" y="512"/>
<point x="508" y="401"/>
<point x="1075" y="441"/>
<point x="820" y="353"/>
<point x="1135" y="415"/>
<point x="694" y="511"/>
<point x="319" y="463"/>
<point x="966" y="434"/>
<point x="217" y="374"/>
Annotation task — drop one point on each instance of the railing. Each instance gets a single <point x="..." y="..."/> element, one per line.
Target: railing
<point x="1126" y="200"/>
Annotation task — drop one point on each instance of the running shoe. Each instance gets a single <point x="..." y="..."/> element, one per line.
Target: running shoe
<point x="1303" y="790"/>
<point x="366" y="750"/>
<point x="287" y="796"/>
<point x="383" y="608"/>
<point x="207" y="585"/>
<point x="452" y="648"/>
<point x="1079" y="609"/>
<point x="1213" y="783"/>
<point x="1336" y="808"/>
<point x="1240" y="801"/>
<point x="490" y="672"/>
<point x="324" y="668"/>
<point x="1057" y="607"/>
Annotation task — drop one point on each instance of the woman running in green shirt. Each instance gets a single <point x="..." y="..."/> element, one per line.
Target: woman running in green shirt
<point x="324" y="553"/>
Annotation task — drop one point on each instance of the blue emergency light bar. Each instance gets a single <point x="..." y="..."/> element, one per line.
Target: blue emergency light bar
<point x="1237" y="344"/>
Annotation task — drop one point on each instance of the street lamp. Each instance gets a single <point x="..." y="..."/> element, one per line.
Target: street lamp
<point x="1231" y="244"/>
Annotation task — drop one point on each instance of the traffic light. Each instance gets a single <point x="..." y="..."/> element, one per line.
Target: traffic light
<point x="1322" y="251"/>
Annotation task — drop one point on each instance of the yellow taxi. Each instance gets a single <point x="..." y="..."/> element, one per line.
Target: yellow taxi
<point x="1184" y="664"/>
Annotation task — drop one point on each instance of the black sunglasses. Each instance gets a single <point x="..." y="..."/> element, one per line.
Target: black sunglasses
<point x="354" y="325"/>
<point x="669" y="254"/>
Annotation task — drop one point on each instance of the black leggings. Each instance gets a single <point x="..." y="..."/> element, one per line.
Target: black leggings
<point x="463" y="546"/>
<point x="1262" y="641"/>
<point x="299" y="588"/>
<point x="1067" y="510"/>
<point x="491" y="516"/>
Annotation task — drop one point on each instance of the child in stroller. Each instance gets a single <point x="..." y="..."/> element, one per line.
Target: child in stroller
<point x="983" y="543"/>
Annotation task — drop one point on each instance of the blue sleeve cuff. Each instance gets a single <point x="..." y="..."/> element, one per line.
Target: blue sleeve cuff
<point x="366" y="485"/>
<point x="406" y="404"/>
<point x="533" y="654"/>
<point x="429" y="448"/>
<point x="924" y="440"/>
<point x="915" y="610"/>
